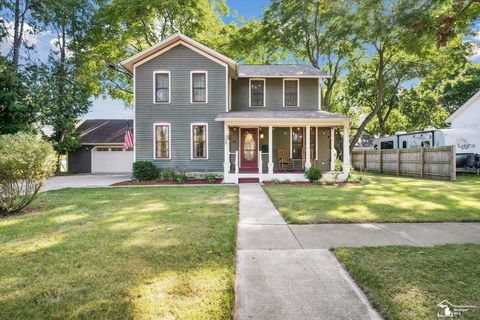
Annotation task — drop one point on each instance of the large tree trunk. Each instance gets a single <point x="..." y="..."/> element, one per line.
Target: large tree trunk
<point x="18" y="30"/>
<point x="378" y="103"/>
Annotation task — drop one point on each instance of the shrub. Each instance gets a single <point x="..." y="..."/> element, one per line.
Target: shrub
<point x="144" y="171"/>
<point x="357" y="179"/>
<point x="180" y="175"/>
<point x="210" y="177"/>
<point x="168" y="174"/>
<point x="275" y="181"/>
<point x="313" y="174"/>
<point x="26" y="162"/>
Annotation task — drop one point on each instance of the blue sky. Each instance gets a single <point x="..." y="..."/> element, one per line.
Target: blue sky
<point x="115" y="109"/>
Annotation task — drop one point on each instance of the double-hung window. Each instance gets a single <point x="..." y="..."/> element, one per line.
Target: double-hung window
<point x="290" y="92"/>
<point x="162" y="141"/>
<point x="199" y="141"/>
<point x="257" y="92"/>
<point x="162" y="86"/>
<point x="199" y="87"/>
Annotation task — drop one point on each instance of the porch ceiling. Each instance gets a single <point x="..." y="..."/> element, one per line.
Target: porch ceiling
<point x="283" y="117"/>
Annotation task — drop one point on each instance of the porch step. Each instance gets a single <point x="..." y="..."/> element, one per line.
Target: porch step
<point x="248" y="180"/>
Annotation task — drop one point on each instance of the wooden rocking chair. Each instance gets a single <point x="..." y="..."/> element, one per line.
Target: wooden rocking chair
<point x="284" y="161"/>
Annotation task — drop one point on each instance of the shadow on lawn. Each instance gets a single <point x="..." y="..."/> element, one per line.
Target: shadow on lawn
<point x="148" y="252"/>
<point x="384" y="199"/>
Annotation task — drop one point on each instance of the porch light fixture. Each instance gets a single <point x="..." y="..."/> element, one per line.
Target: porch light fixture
<point x="261" y="135"/>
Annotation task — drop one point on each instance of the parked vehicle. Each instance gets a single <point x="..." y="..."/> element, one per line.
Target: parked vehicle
<point x="466" y="141"/>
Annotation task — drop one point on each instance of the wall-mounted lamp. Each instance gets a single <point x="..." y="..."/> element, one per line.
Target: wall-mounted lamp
<point x="261" y="135"/>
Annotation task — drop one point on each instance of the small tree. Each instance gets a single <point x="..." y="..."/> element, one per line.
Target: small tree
<point x="26" y="162"/>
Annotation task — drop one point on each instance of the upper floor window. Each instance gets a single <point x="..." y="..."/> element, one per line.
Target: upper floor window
<point x="199" y="141"/>
<point x="290" y="92"/>
<point x="257" y="92"/>
<point x="199" y="87"/>
<point x="162" y="86"/>
<point x="162" y="140"/>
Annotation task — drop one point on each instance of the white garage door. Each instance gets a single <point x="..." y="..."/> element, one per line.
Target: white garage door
<point x="111" y="159"/>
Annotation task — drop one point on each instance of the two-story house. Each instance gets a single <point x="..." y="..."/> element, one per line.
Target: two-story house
<point x="202" y="111"/>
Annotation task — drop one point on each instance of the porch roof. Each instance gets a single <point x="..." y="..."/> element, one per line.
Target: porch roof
<point x="277" y="117"/>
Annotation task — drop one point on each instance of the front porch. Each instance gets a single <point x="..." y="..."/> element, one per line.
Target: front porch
<point x="282" y="148"/>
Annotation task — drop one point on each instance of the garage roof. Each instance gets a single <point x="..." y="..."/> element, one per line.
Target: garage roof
<point x="103" y="131"/>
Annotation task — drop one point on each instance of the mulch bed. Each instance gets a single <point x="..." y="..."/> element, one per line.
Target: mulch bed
<point x="313" y="184"/>
<point x="163" y="182"/>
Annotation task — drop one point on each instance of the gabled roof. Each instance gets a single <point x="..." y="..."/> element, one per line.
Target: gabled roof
<point x="465" y="106"/>
<point x="171" y="42"/>
<point x="279" y="70"/>
<point x="106" y="131"/>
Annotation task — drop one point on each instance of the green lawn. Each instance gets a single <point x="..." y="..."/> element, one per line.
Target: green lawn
<point x="143" y="253"/>
<point x="384" y="199"/>
<point x="408" y="282"/>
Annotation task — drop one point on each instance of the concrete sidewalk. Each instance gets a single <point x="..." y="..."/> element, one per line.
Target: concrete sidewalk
<point x="287" y="282"/>
<point x="324" y="236"/>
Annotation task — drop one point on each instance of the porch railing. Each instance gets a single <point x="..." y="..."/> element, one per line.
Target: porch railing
<point x="236" y="160"/>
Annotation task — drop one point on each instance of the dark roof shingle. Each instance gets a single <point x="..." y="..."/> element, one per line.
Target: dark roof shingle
<point x="278" y="70"/>
<point x="103" y="131"/>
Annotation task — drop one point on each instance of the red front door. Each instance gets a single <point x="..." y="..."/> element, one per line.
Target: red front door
<point x="249" y="150"/>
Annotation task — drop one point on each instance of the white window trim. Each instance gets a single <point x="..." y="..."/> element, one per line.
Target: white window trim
<point x="250" y="92"/>
<point x="155" y="87"/>
<point x="298" y="92"/>
<point x="155" y="140"/>
<point x="191" y="140"/>
<point x="191" y="87"/>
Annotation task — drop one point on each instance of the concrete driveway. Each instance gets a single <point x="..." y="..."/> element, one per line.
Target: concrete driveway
<point x="84" y="181"/>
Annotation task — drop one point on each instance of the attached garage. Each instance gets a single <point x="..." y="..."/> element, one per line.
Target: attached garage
<point x="111" y="159"/>
<point x="102" y="148"/>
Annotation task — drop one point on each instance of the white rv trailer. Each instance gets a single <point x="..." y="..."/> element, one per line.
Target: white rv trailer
<point x="466" y="141"/>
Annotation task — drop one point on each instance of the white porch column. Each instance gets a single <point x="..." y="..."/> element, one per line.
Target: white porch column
<point x="226" y="163"/>
<point x="308" y="164"/>
<point x="346" y="149"/>
<point x="333" y="154"/>
<point x="270" y="149"/>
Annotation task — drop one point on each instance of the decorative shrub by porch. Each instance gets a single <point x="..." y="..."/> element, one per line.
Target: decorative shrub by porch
<point x="26" y="162"/>
<point x="313" y="174"/>
<point x="144" y="171"/>
<point x="167" y="174"/>
<point x="210" y="177"/>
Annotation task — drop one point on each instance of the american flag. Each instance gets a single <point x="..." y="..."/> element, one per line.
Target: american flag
<point x="128" y="137"/>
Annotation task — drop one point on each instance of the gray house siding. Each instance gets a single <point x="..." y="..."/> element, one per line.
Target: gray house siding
<point x="274" y="95"/>
<point x="80" y="160"/>
<point x="324" y="148"/>
<point x="180" y="113"/>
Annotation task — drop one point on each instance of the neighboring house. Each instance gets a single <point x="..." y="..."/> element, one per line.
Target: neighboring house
<point x="202" y="111"/>
<point x="101" y="148"/>
<point x="468" y="115"/>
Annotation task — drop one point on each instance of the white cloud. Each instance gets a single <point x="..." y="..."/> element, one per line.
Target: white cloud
<point x="30" y="37"/>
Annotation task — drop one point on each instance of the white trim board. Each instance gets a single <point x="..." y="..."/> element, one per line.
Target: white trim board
<point x="171" y="42"/>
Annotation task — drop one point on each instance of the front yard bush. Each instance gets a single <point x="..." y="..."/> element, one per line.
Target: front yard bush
<point x="210" y="177"/>
<point x="144" y="171"/>
<point x="168" y="174"/>
<point x="313" y="174"/>
<point x="26" y="162"/>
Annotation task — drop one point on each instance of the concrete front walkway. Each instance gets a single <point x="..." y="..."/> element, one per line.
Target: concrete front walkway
<point x="286" y="271"/>
<point x="276" y="278"/>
